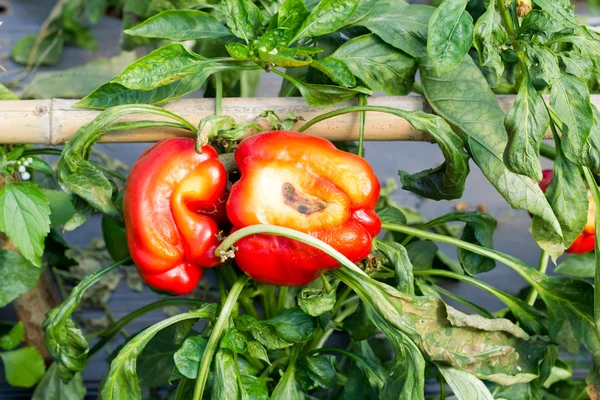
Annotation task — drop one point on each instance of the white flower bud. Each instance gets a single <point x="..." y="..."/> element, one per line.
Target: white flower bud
<point x="25" y="176"/>
<point x="22" y="169"/>
<point x="26" y="163"/>
<point x="29" y="160"/>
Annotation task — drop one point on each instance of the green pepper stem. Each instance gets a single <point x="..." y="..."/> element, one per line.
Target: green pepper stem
<point x="362" y="101"/>
<point x="542" y="267"/>
<point x="595" y="190"/>
<point x="215" y="335"/>
<point x="218" y="93"/>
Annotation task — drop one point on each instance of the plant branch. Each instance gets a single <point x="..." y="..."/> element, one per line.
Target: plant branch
<point x="542" y="267"/>
<point x="215" y="335"/>
<point x="362" y="101"/>
<point x="107" y="334"/>
<point x="218" y="93"/>
<point x="548" y="151"/>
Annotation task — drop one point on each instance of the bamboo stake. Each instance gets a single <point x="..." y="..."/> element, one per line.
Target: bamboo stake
<point x="54" y="121"/>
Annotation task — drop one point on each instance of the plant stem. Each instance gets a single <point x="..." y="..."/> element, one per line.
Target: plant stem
<point x="542" y="267"/>
<point x="418" y="88"/>
<point x="548" y="151"/>
<point x="339" y="351"/>
<point x="362" y="101"/>
<point x="218" y="93"/>
<point x="593" y="186"/>
<point x="107" y="334"/>
<point x="442" y="387"/>
<point x="282" y="298"/>
<point x="515" y="264"/>
<point x="246" y="302"/>
<point x="215" y="335"/>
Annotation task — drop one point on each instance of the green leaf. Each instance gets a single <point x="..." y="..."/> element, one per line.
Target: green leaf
<point x="570" y="100"/>
<point x="261" y="332"/>
<point x="292" y="14"/>
<point x="156" y="363"/>
<point x="122" y="380"/>
<point x="447" y="181"/>
<point x="188" y="357"/>
<point x="494" y="352"/>
<point x="25" y="218"/>
<point x="320" y="370"/>
<point x="544" y="69"/>
<point x="577" y="265"/>
<point x="287" y="388"/>
<point x="464" y="385"/>
<point x="322" y="95"/>
<point x="225" y="384"/>
<point x="83" y="211"/>
<point x="392" y="215"/>
<point x="479" y="229"/>
<point x="380" y="66"/>
<point x="113" y="94"/>
<point x="77" y="82"/>
<point x="316" y="301"/>
<point x="257" y="350"/>
<point x="293" y="325"/>
<point x="180" y="25"/>
<point x="526" y="123"/>
<point x="6" y="94"/>
<point x="336" y="70"/>
<point x="283" y="57"/>
<point x="256" y="388"/>
<point x="77" y="175"/>
<point x="235" y="341"/>
<point x="61" y="206"/>
<point x="405" y="28"/>
<point x="570" y="308"/>
<point x="23" y="367"/>
<point x="48" y="52"/>
<point x="13" y="338"/>
<point x="398" y="257"/>
<point x="243" y="18"/>
<point x="17" y="276"/>
<point x="539" y="22"/>
<point x="162" y="67"/>
<point x="238" y="51"/>
<point x="94" y="10"/>
<point x="422" y="254"/>
<point x="568" y="198"/>
<point x="327" y="17"/>
<point x="407" y="376"/>
<point x="464" y="99"/>
<point x="577" y="65"/>
<point x="51" y="387"/>
<point x="450" y="35"/>
<point x="488" y="38"/>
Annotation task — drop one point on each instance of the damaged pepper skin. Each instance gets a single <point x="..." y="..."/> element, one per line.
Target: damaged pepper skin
<point x="173" y="205"/>
<point x="305" y="183"/>
<point x="585" y="242"/>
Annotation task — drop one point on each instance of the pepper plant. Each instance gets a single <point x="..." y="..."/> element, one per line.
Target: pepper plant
<point x="306" y="215"/>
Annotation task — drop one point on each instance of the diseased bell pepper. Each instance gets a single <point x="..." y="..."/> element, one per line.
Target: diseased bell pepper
<point x="173" y="205"/>
<point x="584" y="243"/>
<point x="304" y="183"/>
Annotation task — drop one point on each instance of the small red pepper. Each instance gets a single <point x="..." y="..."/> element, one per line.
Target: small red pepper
<point x="173" y="204"/>
<point x="584" y="243"/>
<point x="304" y="183"/>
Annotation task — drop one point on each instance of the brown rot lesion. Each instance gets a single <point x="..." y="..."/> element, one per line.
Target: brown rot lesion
<point x="302" y="204"/>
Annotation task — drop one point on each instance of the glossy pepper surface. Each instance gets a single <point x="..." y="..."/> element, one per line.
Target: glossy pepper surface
<point x="304" y="183"/>
<point x="585" y="241"/>
<point x="173" y="204"/>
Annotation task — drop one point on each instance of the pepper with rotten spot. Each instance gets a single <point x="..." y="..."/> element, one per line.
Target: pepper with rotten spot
<point x="584" y="243"/>
<point x="304" y="183"/>
<point x="173" y="205"/>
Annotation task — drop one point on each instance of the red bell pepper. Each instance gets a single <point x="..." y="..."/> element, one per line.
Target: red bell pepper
<point x="304" y="183"/>
<point x="173" y="204"/>
<point x="585" y="241"/>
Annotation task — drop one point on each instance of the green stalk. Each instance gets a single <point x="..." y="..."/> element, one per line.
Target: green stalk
<point x="215" y="335"/>
<point x="245" y="302"/>
<point x="515" y="264"/>
<point x="218" y="93"/>
<point x="362" y="101"/>
<point x="542" y="267"/>
<point x="591" y="181"/>
<point x="282" y="298"/>
<point x="548" y="151"/>
<point x="107" y="334"/>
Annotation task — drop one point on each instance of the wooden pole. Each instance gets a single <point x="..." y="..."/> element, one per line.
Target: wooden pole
<point x="54" y="121"/>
